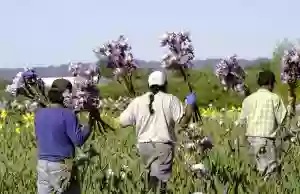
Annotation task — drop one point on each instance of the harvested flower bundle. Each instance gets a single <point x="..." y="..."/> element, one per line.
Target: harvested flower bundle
<point x="28" y="84"/>
<point x="119" y="58"/>
<point x="290" y="73"/>
<point x="86" y="96"/>
<point x="232" y="75"/>
<point x="181" y="53"/>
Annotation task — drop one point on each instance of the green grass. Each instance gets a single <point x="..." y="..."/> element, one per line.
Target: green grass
<point x="18" y="160"/>
<point x="205" y="84"/>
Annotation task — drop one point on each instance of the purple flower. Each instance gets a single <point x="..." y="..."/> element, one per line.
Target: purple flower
<point x="118" y="55"/>
<point x="181" y="50"/>
<point x="290" y="67"/>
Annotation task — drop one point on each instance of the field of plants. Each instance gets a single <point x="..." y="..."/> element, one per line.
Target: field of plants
<point x="111" y="163"/>
<point x="116" y="168"/>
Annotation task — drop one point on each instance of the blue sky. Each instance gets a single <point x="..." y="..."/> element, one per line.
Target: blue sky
<point x="57" y="31"/>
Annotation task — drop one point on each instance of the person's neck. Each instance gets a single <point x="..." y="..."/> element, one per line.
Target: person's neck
<point x="55" y="105"/>
<point x="266" y="88"/>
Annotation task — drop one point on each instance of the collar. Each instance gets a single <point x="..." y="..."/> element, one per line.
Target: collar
<point x="55" y="105"/>
<point x="263" y="90"/>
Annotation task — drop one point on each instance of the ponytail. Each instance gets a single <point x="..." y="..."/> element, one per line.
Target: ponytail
<point x="151" y="98"/>
<point x="154" y="90"/>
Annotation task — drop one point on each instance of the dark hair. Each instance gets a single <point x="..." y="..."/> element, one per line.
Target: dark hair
<point x="154" y="90"/>
<point x="55" y="96"/>
<point x="266" y="77"/>
<point x="59" y="86"/>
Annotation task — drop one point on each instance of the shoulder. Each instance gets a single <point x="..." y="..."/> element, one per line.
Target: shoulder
<point x="137" y="99"/>
<point x="64" y="112"/>
<point x="141" y="99"/>
<point x="275" y="97"/>
<point x="41" y="111"/>
<point x="172" y="99"/>
<point x="133" y="103"/>
<point x="167" y="97"/>
<point x="272" y="96"/>
<point x="68" y="112"/>
<point x="53" y="113"/>
<point x="267" y="95"/>
<point x="247" y="98"/>
<point x="68" y="115"/>
<point x="251" y="97"/>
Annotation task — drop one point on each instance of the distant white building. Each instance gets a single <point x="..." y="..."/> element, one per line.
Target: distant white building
<point x="49" y="80"/>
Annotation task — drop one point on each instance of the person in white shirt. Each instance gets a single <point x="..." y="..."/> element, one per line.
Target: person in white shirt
<point x="154" y="115"/>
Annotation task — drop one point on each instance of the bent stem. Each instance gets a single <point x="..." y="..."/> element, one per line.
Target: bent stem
<point x="101" y="125"/>
<point x="291" y="98"/>
<point x="196" y="115"/>
<point x="127" y="81"/>
<point x="98" y="122"/>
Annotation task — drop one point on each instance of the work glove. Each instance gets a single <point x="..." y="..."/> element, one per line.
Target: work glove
<point x="191" y="99"/>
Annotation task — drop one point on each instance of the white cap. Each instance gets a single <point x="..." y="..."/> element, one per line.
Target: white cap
<point x="157" y="78"/>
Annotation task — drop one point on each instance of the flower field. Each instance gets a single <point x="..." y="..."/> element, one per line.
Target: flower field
<point x="115" y="167"/>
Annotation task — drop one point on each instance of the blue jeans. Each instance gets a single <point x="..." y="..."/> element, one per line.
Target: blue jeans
<point x="58" y="178"/>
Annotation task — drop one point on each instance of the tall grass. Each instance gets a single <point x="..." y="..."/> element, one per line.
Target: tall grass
<point x="117" y="167"/>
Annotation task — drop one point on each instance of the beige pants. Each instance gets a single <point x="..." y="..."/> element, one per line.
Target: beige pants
<point x="263" y="150"/>
<point x="158" y="159"/>
<point x="55" y="177"/>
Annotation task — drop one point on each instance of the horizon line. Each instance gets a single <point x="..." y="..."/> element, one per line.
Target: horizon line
<point x="147" y="61"/>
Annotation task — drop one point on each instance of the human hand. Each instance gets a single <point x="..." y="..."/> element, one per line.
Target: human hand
<point x="191" y="99"/>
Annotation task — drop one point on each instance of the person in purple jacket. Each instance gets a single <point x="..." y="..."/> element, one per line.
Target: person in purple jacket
<point x="57" y="132"/>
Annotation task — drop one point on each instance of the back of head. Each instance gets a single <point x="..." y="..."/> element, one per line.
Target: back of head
<point x="59" y="86"/>
<point x="266" y="78"/>
<point x="157" y="81"/>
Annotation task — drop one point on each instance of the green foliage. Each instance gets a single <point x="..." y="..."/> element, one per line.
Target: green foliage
<point x="229" y="163"/>
<point x="205" y="83"/>
<point x="3" y="84"/>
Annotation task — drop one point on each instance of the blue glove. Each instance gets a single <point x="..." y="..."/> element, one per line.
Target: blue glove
<point x="28" y="74"/>
<point x="191" y="99"/>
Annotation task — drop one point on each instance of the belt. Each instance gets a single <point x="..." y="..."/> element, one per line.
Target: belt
<point x="68" y="162"/>
<point x="155" y="142"/>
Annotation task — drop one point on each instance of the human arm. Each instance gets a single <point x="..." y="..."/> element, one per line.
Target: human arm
<point x="188" y="113"/>
<point x="76" y="132"/>
<point x="280" y="112"/>
<point x="127" y="117"/>
<point x="181" y="115"/>
<point x="244" y="113"/>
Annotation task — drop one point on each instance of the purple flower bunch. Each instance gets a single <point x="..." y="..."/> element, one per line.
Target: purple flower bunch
<point x="230" y="65"/>
<point x="181" y="50"/>
<point x="118" y="55"/>
<point x="290" y="66"/>
<point x="231" y="74"/>
<point x="30" y="85"/>
<point x="85" y="95"/>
